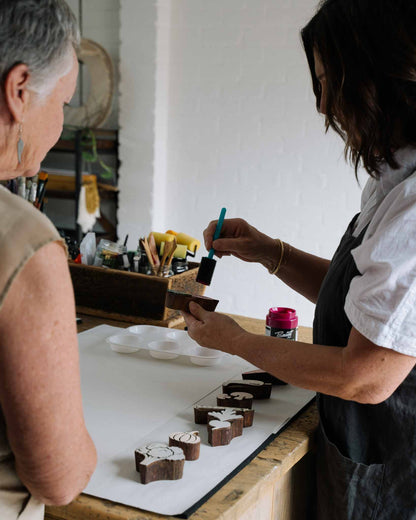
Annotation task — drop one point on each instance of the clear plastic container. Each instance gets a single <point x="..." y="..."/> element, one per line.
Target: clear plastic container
<point x="107" y="253"/>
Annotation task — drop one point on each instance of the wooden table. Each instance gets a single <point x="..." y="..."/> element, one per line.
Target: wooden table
<point x="277" y="484"/>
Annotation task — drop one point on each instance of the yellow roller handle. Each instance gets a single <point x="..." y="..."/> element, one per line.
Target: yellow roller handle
<point x="162" y="237"/>
<point x="190" y="242"/>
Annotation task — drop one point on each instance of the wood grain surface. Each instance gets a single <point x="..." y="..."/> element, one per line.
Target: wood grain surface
<point x="104" y="292"/>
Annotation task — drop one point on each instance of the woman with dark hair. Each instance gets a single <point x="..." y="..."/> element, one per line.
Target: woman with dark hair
<point x="46" y="453"/>
<point x="362" y="57"/>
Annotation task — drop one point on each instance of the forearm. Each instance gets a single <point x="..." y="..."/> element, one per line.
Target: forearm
<point x="361" y="371"/>
<point x="299" y="270"/>
<point x="313" y="367"/>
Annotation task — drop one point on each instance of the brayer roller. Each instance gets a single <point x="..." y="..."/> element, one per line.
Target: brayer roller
<point x="162" y="237"/>
<point x="190" y="242"/>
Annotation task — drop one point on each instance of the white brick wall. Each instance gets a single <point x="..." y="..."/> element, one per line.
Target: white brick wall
<point x="238" y="119"/>
<point x="137" y="101"/>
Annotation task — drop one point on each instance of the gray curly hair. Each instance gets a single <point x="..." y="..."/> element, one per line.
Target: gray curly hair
<point x="40" y="34"/>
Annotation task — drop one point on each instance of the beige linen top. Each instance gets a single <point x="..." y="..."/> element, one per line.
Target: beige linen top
<point x="23" y="230"/>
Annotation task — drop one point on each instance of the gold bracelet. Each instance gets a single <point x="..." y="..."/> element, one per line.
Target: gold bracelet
<point x="279" y="263"/>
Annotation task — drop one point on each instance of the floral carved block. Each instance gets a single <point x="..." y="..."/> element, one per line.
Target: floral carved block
<point x="158" y="461"/>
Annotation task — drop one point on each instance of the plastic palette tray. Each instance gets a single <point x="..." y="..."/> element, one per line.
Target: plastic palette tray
<point x="164" y="343"/>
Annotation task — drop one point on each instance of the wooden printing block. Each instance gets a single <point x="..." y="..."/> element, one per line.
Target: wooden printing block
<point x="261" y="375"/>
<point x="239" y="399"/>
<point x="201" y="414"/>
<point x="190" y="442"/>
<point x="180" y="301"/>
<point x="223" y="427"/>
<point x="258" y="389"/>
<point x="158" y="461"/>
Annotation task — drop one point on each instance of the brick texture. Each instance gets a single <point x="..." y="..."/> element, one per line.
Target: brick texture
<point x="236" y="117"/>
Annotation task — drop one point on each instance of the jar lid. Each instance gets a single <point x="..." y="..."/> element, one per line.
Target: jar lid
<point x="282" y="318"/>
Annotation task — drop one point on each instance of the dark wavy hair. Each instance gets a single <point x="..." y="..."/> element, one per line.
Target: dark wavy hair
<point x="368" y="50"/>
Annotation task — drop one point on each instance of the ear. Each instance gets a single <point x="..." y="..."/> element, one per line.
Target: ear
<point x="16" y="94"/>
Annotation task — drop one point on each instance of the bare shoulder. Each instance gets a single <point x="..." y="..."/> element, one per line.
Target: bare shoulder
<point x="41" y="290"/>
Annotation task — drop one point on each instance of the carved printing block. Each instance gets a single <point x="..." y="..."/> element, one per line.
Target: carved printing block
<point x="261" y="375"/>
<point x="190" y="442"/>
<point x="239" y="399"/>
<point x="201" y="414"/>
<point x="258" y="389"/>
<point x="158" y="461"/>
<point x="223" y="427"/>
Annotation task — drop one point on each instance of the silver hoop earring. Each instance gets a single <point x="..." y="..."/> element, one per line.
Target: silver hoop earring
<point x="20" y="144"/>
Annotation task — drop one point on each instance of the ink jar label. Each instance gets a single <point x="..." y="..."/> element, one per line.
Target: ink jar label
<point x="282" y="333"/>
<point x="282" y="322"/>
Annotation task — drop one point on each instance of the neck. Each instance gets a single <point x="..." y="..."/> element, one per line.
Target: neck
<point x="9" y="165"/>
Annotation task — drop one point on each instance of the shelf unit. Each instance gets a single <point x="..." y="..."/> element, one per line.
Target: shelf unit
<point x="68" y="187"/>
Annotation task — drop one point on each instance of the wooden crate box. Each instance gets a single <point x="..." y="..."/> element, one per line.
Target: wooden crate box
<point x="127" y="296"/>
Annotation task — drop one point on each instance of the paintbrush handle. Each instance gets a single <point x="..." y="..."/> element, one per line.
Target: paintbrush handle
<point x="147" y="251"/>
<point x="172" y="251"/>
<point x="153" y="250"/>
<point x="165" y="254"/>
<point x="217" y="231"/>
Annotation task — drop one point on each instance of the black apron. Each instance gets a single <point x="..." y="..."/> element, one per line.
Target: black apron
<point x="366" y="463"/>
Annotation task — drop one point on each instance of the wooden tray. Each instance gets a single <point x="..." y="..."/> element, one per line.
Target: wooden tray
<point x="129" y="296"/>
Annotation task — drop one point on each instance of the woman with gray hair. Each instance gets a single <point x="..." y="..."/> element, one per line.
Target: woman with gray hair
<point x="46" y="453"/>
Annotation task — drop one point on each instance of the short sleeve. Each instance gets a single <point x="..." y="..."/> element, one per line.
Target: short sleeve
<point x="24" y="231"/>
<point x="381" y="301"/>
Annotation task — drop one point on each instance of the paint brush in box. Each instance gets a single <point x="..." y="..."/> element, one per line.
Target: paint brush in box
<point x="207" y="265"/>
<point x="41" y="188"/>
<point x="145" y="247"/>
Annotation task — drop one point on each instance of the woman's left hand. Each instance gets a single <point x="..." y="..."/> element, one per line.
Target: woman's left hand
<point x="212" y="330"/>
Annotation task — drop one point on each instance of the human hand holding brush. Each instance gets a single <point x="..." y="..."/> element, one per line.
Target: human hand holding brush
<point x="298" y="269"/>
<point x="240" y="239"/>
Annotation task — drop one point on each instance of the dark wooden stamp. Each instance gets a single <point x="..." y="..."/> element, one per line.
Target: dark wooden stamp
<point x="180" y="301"/>
<point x="158" y="461"/>
<point x="258" y="389"/>
<point x="201" y="414"/>
<point x="261" y="375"/>
<point x="223" y="427"/>
<point x="190" y="442"/>
<point x="238" y="399"/>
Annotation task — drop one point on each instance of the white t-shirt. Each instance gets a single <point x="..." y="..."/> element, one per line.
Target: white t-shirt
<point x="381" y="302"/>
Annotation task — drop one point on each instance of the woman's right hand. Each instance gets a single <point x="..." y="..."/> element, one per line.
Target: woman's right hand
<point x="240" y="239"/>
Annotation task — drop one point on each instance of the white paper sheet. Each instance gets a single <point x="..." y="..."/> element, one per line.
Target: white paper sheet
<point x="133" y="399"/>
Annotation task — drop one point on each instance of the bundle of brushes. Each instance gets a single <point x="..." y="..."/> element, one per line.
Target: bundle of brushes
<point x="158" y="254"/>
<point x="31" y="189"/>
<point x="167" y="253"/>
